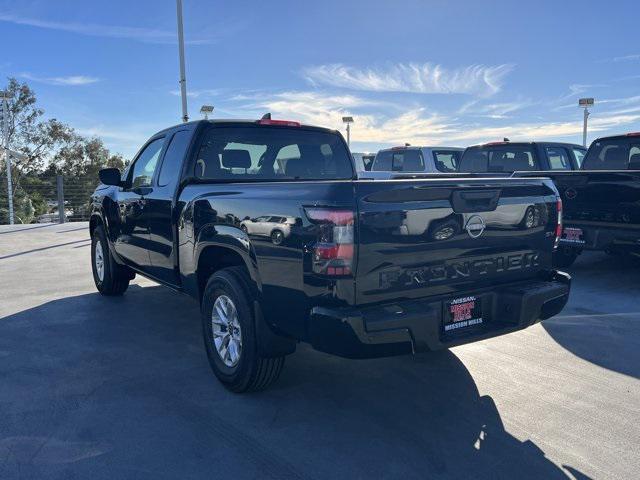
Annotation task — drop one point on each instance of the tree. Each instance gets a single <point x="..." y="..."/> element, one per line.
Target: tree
<point x="27" y="133"/>
<point x="48" y="147"/>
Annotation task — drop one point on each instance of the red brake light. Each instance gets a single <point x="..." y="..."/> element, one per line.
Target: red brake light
<point x="633" y="134"/>
<point x="333" y="251"/>
<point x="286" y="123"/>
<point x="559" y="223"/>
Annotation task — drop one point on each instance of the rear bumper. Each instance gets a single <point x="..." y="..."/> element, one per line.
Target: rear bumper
<point x="416" y="325"/>
<point x="606" y="238"/>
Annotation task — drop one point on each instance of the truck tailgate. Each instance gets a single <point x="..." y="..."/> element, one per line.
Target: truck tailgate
<point x="420" y="238"/>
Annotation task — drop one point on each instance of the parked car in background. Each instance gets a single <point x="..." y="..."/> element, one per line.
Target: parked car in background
<point x="345" y="281"/>
<point x="521" y="156"/>
<point x="410" y="159"/>
<point x="276" y="227"/>
<point x="601" y="198"/>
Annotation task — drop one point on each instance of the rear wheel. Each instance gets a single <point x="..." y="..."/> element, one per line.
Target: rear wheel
<point x="564" y="257"/>
<point x="229" y="332"/>
<point x="109" y="277"/>
<point x="277" y="237"/>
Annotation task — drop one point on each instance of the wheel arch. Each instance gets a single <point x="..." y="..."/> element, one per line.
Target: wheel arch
<point x="222" y="247"/>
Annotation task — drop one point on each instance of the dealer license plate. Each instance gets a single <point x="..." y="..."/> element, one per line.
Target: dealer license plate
<point x="461" y="313"/>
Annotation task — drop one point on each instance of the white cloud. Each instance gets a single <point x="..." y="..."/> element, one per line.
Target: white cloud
<point x="412" y="77"/>
<point x="207" y="92"/>
<point x="626" y="58"/>
<point x="499" y="110"/>
<point x="417" y="125"/>
<point x="142" y="34"/>
<point x="71" y="80"/>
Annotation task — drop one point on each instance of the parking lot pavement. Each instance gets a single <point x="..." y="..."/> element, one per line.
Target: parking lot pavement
<point x="94" y="387"/>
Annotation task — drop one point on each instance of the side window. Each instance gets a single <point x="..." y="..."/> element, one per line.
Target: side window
<point x="558" y="158"/>
<point x="173" y="157"/>
<point x="446" y="160"/>
<point x="634" y="157"/>
<point x="579" y="154"/>
<point x="145" y="164"/>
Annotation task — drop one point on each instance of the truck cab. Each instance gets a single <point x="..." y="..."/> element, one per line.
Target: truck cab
<point x="406" y="160"/>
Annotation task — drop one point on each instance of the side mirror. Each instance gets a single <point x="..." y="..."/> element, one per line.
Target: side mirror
<point x="110" y="176"/>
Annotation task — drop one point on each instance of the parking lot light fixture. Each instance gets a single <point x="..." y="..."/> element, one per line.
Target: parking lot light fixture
<point x="206" y="110"/>
<point x="348" y="121"/>
<point x="585" y="103"/>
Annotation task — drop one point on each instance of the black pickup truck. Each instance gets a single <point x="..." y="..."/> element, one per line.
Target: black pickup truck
<point x="601" y="200"/>
<point x="265" y="224"/>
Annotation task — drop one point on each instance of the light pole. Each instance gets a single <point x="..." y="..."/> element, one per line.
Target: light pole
<point x="183" y="78"/>
<point x="348" y="121"/>
<point x="4" y="114"/>
<point x="206" y="110"/>
<point x="585" y="103"/>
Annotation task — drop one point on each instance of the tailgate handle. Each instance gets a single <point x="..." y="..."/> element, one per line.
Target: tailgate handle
<point x="475" y="201"/>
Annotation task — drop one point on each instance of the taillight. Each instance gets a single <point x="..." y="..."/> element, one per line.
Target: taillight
<point x="333" y="251"/>
<point x="559" y="224"/>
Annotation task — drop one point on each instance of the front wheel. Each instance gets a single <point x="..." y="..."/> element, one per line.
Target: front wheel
<point x="109" y="277"/>
<point x="229" y="332"/>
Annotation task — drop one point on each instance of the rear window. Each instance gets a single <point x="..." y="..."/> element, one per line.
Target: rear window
<point x="500" y="158"/>
<point x="398" y="161"/>
<point x="271" y="153"/>
<point x="613" y="154"/>
<point x="446" y="160"/>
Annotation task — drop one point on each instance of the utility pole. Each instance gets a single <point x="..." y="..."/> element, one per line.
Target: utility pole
<point x="585" y="103"/>
<point x="183" y="78"/>
<point x="4" y="114"/>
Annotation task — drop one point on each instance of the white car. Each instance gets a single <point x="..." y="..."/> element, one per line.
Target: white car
<point x="408" y="159"/>
<point x="276" y="227"/>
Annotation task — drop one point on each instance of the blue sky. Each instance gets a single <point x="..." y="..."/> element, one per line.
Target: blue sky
<point x="423" y="72"/>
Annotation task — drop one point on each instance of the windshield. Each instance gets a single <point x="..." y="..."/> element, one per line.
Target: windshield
<point x="271" y="153"/>
<point x="398" y="161"/>
<point x="498" y="158"/>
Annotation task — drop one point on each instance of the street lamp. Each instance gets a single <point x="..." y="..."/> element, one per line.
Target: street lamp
<point x="348" y="121"/>
<point x="4" y="120"/>
<point x="183" y="78"/>
<point x="206" y="110"/>
<point x="585" y="103"/>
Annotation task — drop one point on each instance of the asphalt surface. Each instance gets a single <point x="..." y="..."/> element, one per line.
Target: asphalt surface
<point x="94" y="387"/>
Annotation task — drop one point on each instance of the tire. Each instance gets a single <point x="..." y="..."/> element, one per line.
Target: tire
<point x="564" y="257"/>
<point x="239" y="367"/>
<point x="277" y="237"/>
<point x="530" y="219"/>
<point x="112" y="279"/>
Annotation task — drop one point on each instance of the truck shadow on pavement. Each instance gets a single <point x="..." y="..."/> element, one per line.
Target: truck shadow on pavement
<point x="96" y="387"/>
<point x="601" y="323"/>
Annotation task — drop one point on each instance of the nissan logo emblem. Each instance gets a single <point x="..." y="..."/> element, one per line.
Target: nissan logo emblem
<point x="570" y="193"/>
<point x="475" y="226"/>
